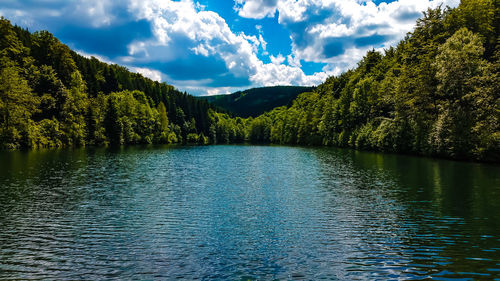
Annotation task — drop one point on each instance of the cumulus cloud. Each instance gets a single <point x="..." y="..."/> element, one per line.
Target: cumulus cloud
<point x="210" y="49"/>
<point x="177" y="41"/>
<point x="183" y="43"/>
<point x="98" y="11"/>
<point x="256" y="9"/>
<point x="339" y="32"/>
<point x="41" y="13"/>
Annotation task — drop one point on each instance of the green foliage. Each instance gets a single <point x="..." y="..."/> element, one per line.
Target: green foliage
<point x="112" y="123"/>
<point x="52" y="97"/>
<point x="254" y="102"/>
<point x="192" y="138"/>
<point x="16" y="106"/>
<point x="225" y="129"/>
<point x="260" y="129"/>
<point x="130" y="119"/>
<point x="460" y="56"/>
<point x="436" y="93"/>
<point x="163" y="130"/>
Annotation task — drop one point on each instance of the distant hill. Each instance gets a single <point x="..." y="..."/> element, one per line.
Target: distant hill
<point x="256" y="101"/>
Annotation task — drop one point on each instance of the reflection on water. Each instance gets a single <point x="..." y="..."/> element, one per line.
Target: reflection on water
<point x="246" y="212"/>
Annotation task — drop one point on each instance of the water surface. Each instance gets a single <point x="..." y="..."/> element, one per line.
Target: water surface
<point x="246" y="212"/>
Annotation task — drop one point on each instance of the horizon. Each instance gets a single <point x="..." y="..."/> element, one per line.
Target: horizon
<point x="207" y="47"/>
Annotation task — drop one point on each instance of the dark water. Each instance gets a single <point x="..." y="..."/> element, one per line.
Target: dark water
<point x="246" y="212"/>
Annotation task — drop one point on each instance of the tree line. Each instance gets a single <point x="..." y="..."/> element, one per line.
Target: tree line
<point x="435" y="93"/>
<point x="256" y="101"/>
<point x="50" y="96"/>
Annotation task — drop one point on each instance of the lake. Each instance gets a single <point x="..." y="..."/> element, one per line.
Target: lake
<point x="244" y="213"/>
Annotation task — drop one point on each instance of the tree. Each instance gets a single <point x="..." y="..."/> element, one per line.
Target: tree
<point x="163" y="122"/>
<point x="17" y="103"/>
<point x="479" y="16"/>
<point x="458" y="61"/>
<point x="12" y="51"/>
<point x="112" y="123"/>
<point x="74" y="111"/>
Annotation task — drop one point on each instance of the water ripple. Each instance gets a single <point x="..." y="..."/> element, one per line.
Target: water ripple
<point x="246" y="213"/>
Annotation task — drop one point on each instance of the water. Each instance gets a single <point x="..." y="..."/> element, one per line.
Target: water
<point x="244" y="213"/>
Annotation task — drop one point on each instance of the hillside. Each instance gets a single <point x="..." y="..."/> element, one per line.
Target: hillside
<point x="50" y="96"/>
<point x="436" y="93"/>
<point x="254" y="102"/>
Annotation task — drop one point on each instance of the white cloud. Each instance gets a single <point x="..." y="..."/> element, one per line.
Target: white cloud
<point x="263" y="42"/>
<point x="195" y="50"/>
<point x="278" y="59"/>
<point x="219" y="91"/>
<point x="339" y="32"/>
<point x="256" y="9"/>
<point x="152" y="74"/>
<point x="273" y="74"/>
<point x="97" y="11"/>
<point x="206" y="34"/>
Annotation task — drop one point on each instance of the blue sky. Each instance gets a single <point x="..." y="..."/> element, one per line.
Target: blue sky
<point x="220" y="46"/>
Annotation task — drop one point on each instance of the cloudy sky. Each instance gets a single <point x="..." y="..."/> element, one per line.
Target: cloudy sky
<point x="220" y="46"/>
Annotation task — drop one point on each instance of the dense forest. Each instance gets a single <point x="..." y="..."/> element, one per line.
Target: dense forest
<point x="50" y="96"/>
<point x="256" y="101"/>
<point x="435" y="93"/>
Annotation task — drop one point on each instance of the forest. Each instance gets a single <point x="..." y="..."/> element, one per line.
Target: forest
<point x="435" y="93"/>
<point x="50" y="96"/>
<point x="256" y="101"/>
